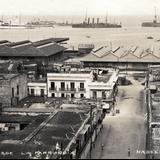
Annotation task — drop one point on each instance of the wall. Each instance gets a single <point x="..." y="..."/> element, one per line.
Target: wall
<point x="20" y="81"/>
<point x="6" y="89"/>
<point x="68" y="78"/>
<point x="37" y="88"/>
<point x="5" y="95"/>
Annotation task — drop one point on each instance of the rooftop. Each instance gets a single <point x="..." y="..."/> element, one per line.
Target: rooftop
<point x="124" y="54"/>
<point x="43" y="48"/>
<point x="61" y="128"/>
<point x="49" y="40"/>
<point x="7" y="76"/>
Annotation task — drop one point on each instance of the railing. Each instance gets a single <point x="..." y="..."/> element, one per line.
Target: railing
<point x="68" y="89"/>
<point x="53" y="89"/>
<point x="82" y="89"/>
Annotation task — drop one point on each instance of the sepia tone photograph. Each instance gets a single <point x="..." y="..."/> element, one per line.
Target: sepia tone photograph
<point x="79" y="79"/>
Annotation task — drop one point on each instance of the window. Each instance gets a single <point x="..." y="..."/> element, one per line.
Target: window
<point x="103" y="95"/>
<point x="53" y="95"/>
<point x="94" y="95"/>
<point x="62" y="95"/>
<point x="72" y="86"/>
<point x="72" y="95"/>
<point x="18" y="90"/>
<point x="62" y="86"/>
<point x="42" y="92"/>
<point x="32" y="92"/>
<point x="53" y="85"/>
<point x="82" y="95"/>
<point x="12" y="92"/>
<point x="82" y="85"/>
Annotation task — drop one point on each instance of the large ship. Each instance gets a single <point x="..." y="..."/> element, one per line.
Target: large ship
<point x="88" y="24"/>
<point x="154" y="23"/>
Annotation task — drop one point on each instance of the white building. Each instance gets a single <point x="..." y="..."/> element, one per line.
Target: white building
<point x="81" y="84"/>
<point x="37" y="89"/>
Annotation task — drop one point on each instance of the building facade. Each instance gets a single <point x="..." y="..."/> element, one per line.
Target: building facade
<point x="13" y="88"/>
<point x="37" y="89"/>
<point x="81" y="85"/>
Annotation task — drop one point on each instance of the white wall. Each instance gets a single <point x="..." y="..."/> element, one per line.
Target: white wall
<point x="37" y="88"/>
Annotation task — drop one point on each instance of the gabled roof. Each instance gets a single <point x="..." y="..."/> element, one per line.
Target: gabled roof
<point x="16" y="44"/>
<point x="6" y="51"/>
<point x="93" y="58"/>
<point x="2" y="42"/>
<point x="51" y="49"/>
<point x="27" y="49"/>
<point x="129" y="57"/>
<point x="49" y="40"/>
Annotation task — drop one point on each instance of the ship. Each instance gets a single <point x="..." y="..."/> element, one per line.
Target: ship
<point x="97" y="24"/>
<point x="41" y="24"/>
<point x="6" y="25"/>
<point x="154" y="23"/>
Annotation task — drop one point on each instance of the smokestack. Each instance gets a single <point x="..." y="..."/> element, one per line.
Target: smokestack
<point x="97" y="20"/>
<point x="93" y="21"/>
<point x="88" y="20"/>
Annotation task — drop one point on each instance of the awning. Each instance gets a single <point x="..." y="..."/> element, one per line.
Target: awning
<point x="106" y="106"/>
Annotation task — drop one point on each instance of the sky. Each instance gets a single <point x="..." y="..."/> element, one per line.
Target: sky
<point x="79" y="7"/>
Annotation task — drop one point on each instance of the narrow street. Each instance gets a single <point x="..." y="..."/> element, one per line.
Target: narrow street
<point x="127" y="130"/>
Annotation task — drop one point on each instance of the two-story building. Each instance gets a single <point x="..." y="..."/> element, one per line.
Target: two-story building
<point x="90" y="85"/>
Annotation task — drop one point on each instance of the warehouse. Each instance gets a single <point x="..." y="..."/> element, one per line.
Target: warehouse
<point x="44" y="51"/>
<point x="123" y="57"/>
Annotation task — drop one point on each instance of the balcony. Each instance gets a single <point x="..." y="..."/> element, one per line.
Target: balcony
<point x="53" y="89"/>
<point x="67" y="89"/>
<point x="82" y="89"/>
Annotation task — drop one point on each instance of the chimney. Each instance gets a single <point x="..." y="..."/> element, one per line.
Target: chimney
<point x="88" y="20"/>
<point x="97" y="20"/>
<point x="93" y="21"/>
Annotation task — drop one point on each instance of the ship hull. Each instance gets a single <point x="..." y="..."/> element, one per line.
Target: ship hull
<point x="15" y="27"/>
<point x="96" y="26"/>
<point x="150" y="24"/>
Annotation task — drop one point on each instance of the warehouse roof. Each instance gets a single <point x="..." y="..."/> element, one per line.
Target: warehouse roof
<point x="50" y="49"/>
<point x="124" y="54"/>
<point x="49" y="40"/>
<point x="28" y="49"/>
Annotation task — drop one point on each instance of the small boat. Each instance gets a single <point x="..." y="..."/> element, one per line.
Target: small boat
<point x="88" y="36"/>
<point x="150" y="37"/>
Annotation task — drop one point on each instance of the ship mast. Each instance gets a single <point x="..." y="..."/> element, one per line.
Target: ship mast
<point x="106" y="20"/>
<point x="155" y="15"/>
<point x="85" y="17"/>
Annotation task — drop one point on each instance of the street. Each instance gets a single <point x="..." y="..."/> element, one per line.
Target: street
<point x="124" y="135"/>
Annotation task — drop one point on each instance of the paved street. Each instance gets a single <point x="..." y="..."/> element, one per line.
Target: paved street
<point x="125" y="130"/>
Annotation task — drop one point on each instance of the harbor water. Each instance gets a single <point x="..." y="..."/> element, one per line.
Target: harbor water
<point x="99" y="37"/>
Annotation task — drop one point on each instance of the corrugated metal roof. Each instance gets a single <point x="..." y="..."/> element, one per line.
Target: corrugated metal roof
<point x="126" y="54"/>
<point x="27" y="49"/>
<point x="49" y="40"/>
